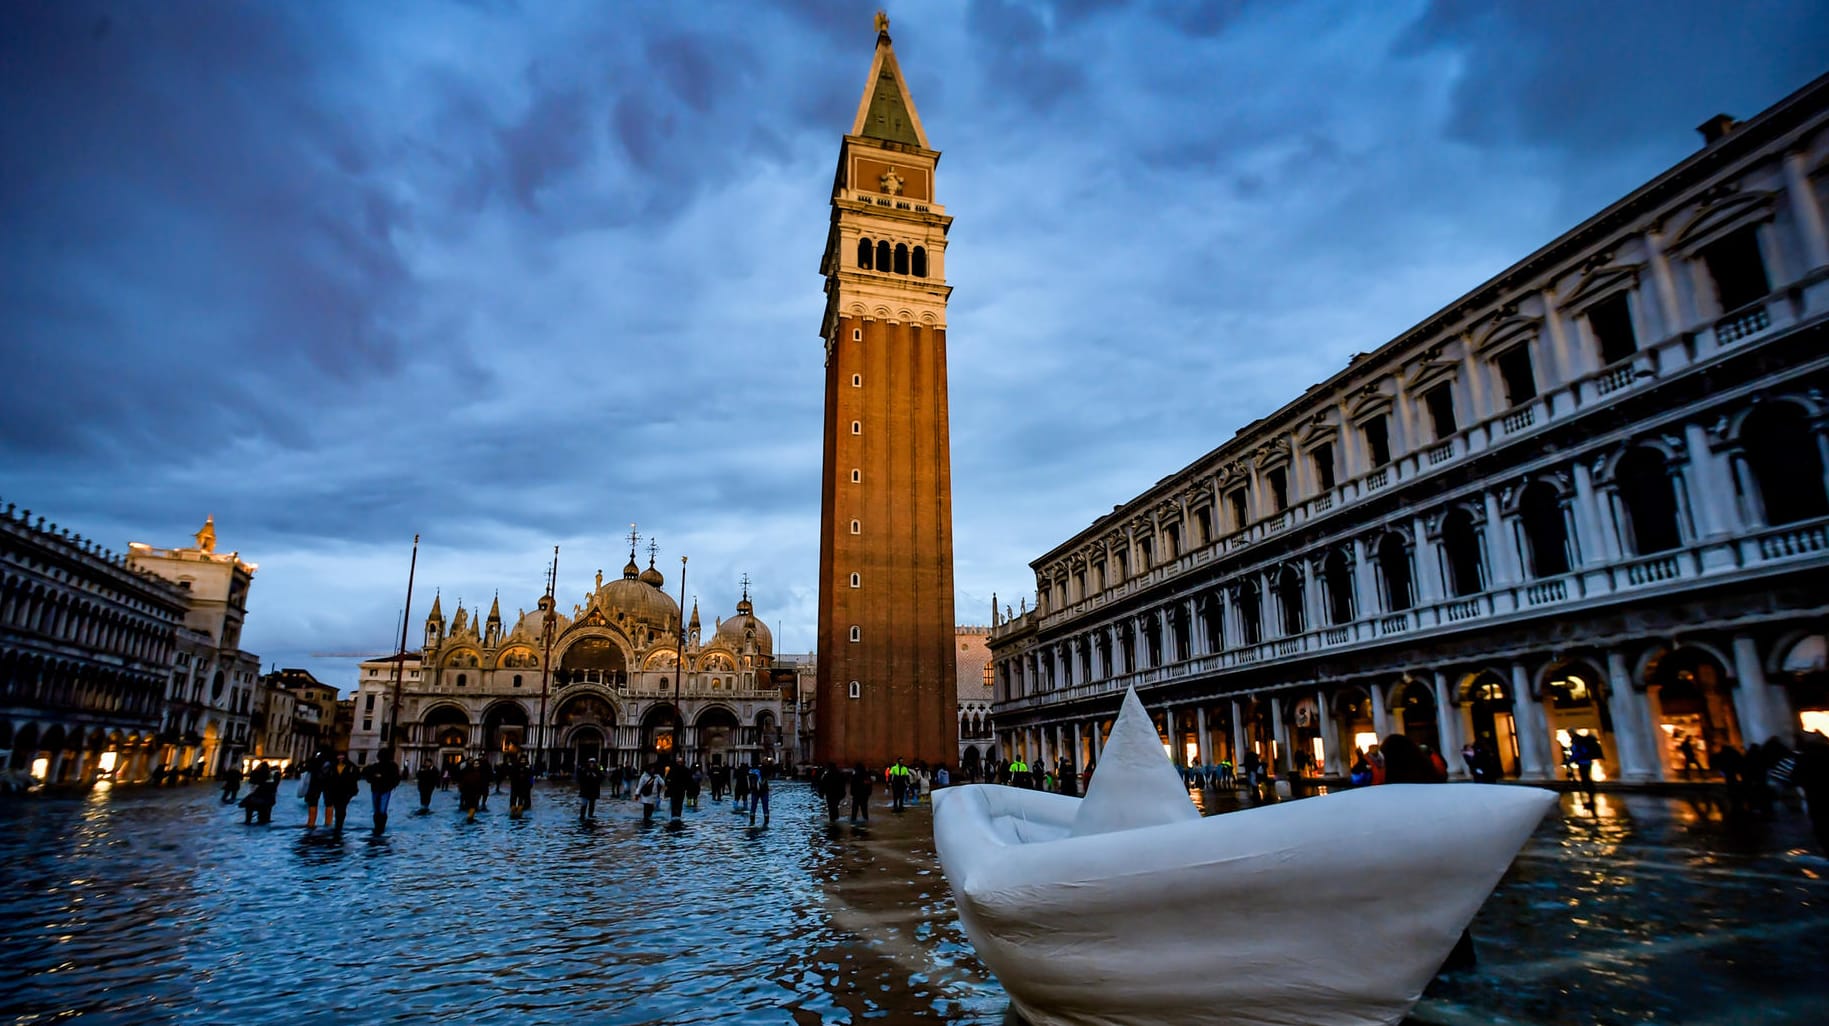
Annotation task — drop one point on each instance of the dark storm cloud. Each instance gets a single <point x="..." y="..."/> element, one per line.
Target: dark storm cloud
<point x="515" y="275"/>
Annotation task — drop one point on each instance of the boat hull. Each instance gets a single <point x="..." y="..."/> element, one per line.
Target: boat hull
<point x="1331" y="911"/>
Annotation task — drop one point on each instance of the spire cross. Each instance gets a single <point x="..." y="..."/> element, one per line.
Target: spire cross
<point x="633" y="539"/>
<point x="746" y="587"/>
<point x="653" y="550"/>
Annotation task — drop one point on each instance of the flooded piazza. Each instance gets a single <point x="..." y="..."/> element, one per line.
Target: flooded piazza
<point x="160" y="906"/>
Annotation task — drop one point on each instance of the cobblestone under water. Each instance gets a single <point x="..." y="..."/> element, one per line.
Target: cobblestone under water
<point x="157" y="906"/>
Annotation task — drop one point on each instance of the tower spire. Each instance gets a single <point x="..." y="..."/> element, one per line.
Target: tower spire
<point x="887" y="111"/>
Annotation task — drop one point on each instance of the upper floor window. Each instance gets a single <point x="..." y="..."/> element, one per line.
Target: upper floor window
<point x="1545" y="531"/>
<point x="1337" y="575"/>
<point x="1649" y="500"/>
<point x="1394" y="573"/>
<point x="1516" y="375"/>
<point x="901" y="258"/>
<point x="920" y="261"/>
<point x="1146" y="554"/>
<point x="1203" y="525"/>
<point x="1461" y="562"/>
<point x="884" y="259"/>
<point x="1241" y="508"/>
<point x="1250" y="614"/>
<point x="1785" y="465"/>
<point x="1323" y="455"/>
<point x="1439" y="401"/>
<point x="1278" y="480"/>
<point x="1737" y="269"/>
<point x="1289" y="599"/>
<point x="1610" y="322"/>
<point x="1378" y="439"/>
<point x="865" y="251"/>
<point x="1172" y="534"/>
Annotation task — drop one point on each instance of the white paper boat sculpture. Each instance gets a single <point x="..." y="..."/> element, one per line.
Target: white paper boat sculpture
<point x="1128" y="907"/>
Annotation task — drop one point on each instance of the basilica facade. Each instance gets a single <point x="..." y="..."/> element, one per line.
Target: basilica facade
<point x="605" y="682"/>
<point x="1587" y="496"/>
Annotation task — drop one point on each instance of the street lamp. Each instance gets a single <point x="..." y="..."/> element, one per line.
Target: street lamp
<point x="393" y="716"/>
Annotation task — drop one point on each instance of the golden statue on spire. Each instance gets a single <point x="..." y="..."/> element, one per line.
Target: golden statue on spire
<point x="206" y="538"/>
<point x="882" y="24"/>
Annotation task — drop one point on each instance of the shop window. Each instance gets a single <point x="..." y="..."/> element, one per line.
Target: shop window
<point x="1737" y="269"/>
<point x="1439" y="401"/>
<point x="1610" y="322"/>
<point x="1516" y="375"/>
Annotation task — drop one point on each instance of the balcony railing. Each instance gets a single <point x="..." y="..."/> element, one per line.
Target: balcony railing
<point x="1518" y="420"/>
<point x="1742" y="323"/>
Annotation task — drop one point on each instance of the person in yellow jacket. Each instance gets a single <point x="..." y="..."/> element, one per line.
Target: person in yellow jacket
<point x="1019" y="772"/>
<point x="898" y="785"/>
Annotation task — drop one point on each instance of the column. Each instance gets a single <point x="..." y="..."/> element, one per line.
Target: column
<point x="1448" y="727"/>
<point x="1761" y="707"/>
<point x="1365" y="589"/>
<point x="1280" y="731"/>
<point x="1381" y="719"/>
<point x="1312" y="607"/>
<point x="1240" y="743"/>
<point x="1710" y="487"/>
<point x="1805" y="212"/>
<point x="1428" y="573"/>
<point x="1596" y="542"/>
<point x="1330" y="741"/>
<point x="1632" y="731"/>
<point x="1501" y="546"/>
<point x="1200" y="736"/>
<point x="1532" y="728"/>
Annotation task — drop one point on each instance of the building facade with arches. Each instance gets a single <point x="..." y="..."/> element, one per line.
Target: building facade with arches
<point x="608" y="686"/>
<point x="1590" y="494"/>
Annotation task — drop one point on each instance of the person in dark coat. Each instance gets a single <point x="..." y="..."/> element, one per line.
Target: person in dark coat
<point x="383" y="775"/>
<point x="231" y="784"/>
<point x="427" y="778"/>
<point x="472" y="785"/>
<point x="345" y="780"/>
<point x="679" y="783"/>
<point x="590" y="788"/>
<point x="832" y="788"/>
<point x="520" y="787"/>
<point x="257" y="806"/>
<point x="1810" y="773"/>
<point x="739" y="789"/>
<point x="861" y="786"/>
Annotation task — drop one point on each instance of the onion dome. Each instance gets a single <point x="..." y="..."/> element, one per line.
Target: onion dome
<point x="732" y="633"/>
<point x="636" y="600"/>
<point x="651" y="577"/>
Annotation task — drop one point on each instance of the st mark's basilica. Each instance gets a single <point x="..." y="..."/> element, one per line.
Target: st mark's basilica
<point x="480" y="686"/>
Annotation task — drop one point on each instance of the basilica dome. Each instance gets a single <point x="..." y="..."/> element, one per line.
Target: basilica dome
<point x="636" y="600"/>
<point x="730" y="633"/>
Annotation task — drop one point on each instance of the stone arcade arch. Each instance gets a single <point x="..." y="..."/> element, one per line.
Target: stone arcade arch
<point x="1691" y="709"/>
<point x="447" y="733"/>
<point x="719" y="738"/>
<point x="1413" y="713"/>
<point x="1574" y="700"/>
<point x="505" y="729"/>
<point x="1486" y="718"/>
<point x="583" y="727"/>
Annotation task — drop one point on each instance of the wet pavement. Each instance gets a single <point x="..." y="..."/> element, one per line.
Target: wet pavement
<point x="159" y="906"/>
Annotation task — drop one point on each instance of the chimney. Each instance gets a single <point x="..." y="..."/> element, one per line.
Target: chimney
<point x="1716" y="128"/>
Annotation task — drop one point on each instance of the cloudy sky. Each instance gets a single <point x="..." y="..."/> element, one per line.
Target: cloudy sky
<point x="512" y="275"/>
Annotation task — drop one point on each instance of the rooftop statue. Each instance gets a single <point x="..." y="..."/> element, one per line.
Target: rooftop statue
<point x="1129" y="907"/>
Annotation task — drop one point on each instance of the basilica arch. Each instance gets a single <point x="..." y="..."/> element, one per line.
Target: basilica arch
<point x="595" y="656"/>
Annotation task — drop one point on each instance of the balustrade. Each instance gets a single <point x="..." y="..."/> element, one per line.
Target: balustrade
<point x="1742" y="324"/>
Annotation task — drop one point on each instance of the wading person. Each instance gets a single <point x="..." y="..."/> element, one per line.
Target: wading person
<point x="231" y="784"/>
<point x="861" y="786"/>
<point x="1584" y="752"/>
<point x="258" y="805"/>
<point x="520" y="787"/>
<point x="758" y="793"/>
<point x="472" y="787"/>
<point x="316" y="778"/>
<point x="340" y="790"/>
<point x="679" y="784"/>
<point x="383" y="775"/>
<point x="427" y="778"/>
<point x="648" y="790"/>
<point x="832" y="788"/>
<point x="590" y="786"/>
<point x="898" y="785"/>
<point x="740" y="790"/>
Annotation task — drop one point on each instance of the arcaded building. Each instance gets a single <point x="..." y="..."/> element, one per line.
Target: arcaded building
<point x="886" y="668"/>
<point x="1587" y="495"/>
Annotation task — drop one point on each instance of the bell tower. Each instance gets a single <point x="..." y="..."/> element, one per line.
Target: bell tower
<point x="886" y="664"/>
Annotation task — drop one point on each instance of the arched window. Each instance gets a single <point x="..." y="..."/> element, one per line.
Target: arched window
<point x="1786" y="466"/>
<point x="1338" y="574"/>
<point x="857" y="633"/>
<point x="856" y="527"/>
<point x="882" y="256"/>
<point x="1461" y="553"/>
<point x="1213" y="615"/>
<point x="1649" y="501"/>
<point x="1289" y="599"/>
<point x="1250" y="614"/>
<point x="1394" y="571"/>
<point x="1546" y="534"/>
<point x="857" y="580"/>
<point x="460" y="680"/>
<point x="920" y="261"/>
<point x="865" y="250"/>
<point x="901" y="258"/>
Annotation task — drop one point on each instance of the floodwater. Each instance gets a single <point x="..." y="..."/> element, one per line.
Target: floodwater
<point x="160" y="906"/>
